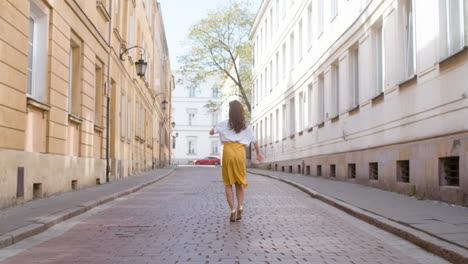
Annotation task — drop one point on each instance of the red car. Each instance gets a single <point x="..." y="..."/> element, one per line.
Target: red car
<point x="207" y="161"/>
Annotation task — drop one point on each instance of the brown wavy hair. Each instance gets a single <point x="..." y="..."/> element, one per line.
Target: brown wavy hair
<point x="236" y="116"/>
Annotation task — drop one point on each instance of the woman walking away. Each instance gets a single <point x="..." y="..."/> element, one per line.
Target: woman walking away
<point x="235" y="134"/>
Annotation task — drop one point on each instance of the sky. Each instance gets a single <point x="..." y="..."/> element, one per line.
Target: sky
<point x="179" y="15"/>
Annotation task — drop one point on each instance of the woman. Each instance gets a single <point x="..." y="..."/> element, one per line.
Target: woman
<point x="235" y="134"/>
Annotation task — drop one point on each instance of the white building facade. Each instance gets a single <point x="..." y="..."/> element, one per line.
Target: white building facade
<point x="372" y="92"/>
<point x="193" y="121"/>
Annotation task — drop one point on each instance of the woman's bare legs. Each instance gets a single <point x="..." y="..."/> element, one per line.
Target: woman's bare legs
<point x="230" y="197"/>
<point x="239" y="195"/>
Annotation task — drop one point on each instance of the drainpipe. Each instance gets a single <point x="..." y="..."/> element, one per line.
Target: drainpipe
<point x="108" y="95"/>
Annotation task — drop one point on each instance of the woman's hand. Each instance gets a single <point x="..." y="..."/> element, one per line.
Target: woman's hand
<point x="259" y="157"/>
<point x="212" y="131"/>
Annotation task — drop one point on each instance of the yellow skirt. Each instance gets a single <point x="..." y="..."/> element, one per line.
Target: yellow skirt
<point x="234" y="171"/>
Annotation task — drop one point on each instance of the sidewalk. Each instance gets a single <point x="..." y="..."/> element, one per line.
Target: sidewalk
<point x="433" y="225"/>
<point x="23" y="221"/>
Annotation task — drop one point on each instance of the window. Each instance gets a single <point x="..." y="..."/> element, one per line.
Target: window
<point x="277" y="122"/>
<point x="300" y="40"/>
<point x="267" y="136"/>
<point x="131" y="25"/>
<point x="74" y="85"/>
<point x="292" y="116"/>
<point x="137" y="119"/>
<point x="271" y="24"/>
<point x="333" y="9"/>
<point x="451" y="27"/>
<point x="321" y="99"/>
<point x="37" y="52"/>
<point x="191" y="143"/>
<point x="261" y="133"/>
<point x="309" y="25"/>
<point x="123" y="114"/>
<point x="191" y="117"/>
<point x="408" y="40"/>
<point x="291" y="51"/>
<point x="214" y="92"/>
<point x="309" y="105"/>
<point x="277" y="13"/>
<point x="99" y="93"/>
<point x="285" y="127"/>
<point x="266" y="81"/>
<point x="129" y="119"/>
<point x="214" y="118"/>
<point x="354" y="73"/>
<point x="191" y="91"/>
<point x="335" y="100"/>
<point x="277" y="68"/>
<point x="301" y="111"/>
<point x="260" y="89"/>
<point x="214" y="147"/>
<point x="271" y="76"/>
<point x="284" y="59"/>
<point x="379" y="59"/>
<point x="271" y="139"/>
<point x="320" y="18"/>
<point x="266" y="31"/>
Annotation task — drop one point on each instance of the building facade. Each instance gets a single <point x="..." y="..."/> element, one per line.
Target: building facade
<point x="371" y="92"/>
<point x="193" y="120"/>
<point x="59" y="68"/>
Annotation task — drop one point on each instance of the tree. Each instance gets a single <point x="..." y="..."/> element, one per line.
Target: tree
<point x="217" y="42"/>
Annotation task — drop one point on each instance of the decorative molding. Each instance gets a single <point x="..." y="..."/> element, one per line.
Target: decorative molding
<point x="37" y="104"/>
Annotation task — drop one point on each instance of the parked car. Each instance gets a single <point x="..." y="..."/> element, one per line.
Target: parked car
<point x="207" y="161"/>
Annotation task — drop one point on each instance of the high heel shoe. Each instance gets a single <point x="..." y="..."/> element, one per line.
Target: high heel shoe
<point x="239" y="213"/>
<point x="232" y="218"/>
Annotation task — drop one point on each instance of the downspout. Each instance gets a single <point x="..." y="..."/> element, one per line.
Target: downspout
<point x="108" y="95"/>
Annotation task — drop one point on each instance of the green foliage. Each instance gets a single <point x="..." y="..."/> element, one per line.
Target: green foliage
<point x="218" y="44"/>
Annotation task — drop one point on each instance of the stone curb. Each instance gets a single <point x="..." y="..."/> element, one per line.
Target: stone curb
<point x="439" y="247"/>
<point x="43" y="223"/>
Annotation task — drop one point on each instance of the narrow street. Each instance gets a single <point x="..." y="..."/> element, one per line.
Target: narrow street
<point x="184" y="219"/>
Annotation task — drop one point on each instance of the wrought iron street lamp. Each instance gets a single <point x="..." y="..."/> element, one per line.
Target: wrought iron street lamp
<point x="140" y="64"/>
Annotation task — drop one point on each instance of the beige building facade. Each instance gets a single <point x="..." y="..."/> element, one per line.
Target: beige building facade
<point x="59" y="68"/>
<point x="370" y="92"/>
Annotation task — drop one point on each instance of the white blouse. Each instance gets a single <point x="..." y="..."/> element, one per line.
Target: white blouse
<point x="245" y="137"/>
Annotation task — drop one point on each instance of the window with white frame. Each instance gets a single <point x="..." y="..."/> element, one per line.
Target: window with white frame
<point x="271" y="139"/>
<point x="452" y="27"/>
<point x="407" y="34"/>
<point x="260" y="139"/>
<point x="215" y="92"/>
<point x="333" y="8"/>
<point x="277" y="68"/>
<point x="277" y="18"/>
<point x="277" y="123"/>
<point x="37" y="51"/>
<point x="291" y="51"/>
<point x="214" y="118"/>
<point x="354" y="75"/>
<point x="191" y="116"/>
<point x="214" y="147"/>
<point x="321" y="100"/>
<point x="266" y="138"/>
<point x="271" y="76"/>
<point x="320" y="17"/>
<point x="300" y="40"/>
<point x="301" y="111"/>
<point x="335" y="100"/>
<point x="131" y="25"/>
<point x="284" y="59"/>
<point x="292" y="116"/>
<point x="260" y="90"/>
<point x="284" y="8"/>
<point x="309" y="25"/>
<point x="123" y="115"/>
<point x="284" y="119"/>
<point x="271" y="23"/>
<point x="137" y="119"/>
<point x="379" y="57"/>
<point x="309" y="105"/>
<point x="192" y="145"/>
<point x="192" y="90"/>
<point x="266" y="31"/>
<point x="265" y="86"/>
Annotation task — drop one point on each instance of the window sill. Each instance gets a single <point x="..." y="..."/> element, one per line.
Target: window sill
<point x="40" y="105"/>
<point x="309" y="129"/>
<point x="75" y="119"/>
<point x="377" y="97"/>
<point x="284" y="138"/>
<point x="277" y="141"/>
<point x="353" y="110"/>
<point x="98" y="128"/>
<point x="100" y="6"/>
<point x="301" y="133"/>
<point x="122" y="139"/>
<point x="292" y="136"/>
<point x="408" y="80"/>
<point x="320" y="125"/>
<point x="442" y="61"/>
<point x="336" y="118"/>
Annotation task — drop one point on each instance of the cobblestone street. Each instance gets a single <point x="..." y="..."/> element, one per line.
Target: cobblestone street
<point x="184" y="219"/>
